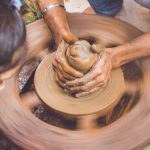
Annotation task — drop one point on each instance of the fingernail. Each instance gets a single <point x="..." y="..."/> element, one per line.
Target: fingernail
<point x="80" y="75"/>
<point x="56" y="59"/>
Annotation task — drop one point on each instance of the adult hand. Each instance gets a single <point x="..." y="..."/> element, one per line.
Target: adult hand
<point x="94" y="80"/>
<point x="64" y="71"/>
<point x="57" y="21"/>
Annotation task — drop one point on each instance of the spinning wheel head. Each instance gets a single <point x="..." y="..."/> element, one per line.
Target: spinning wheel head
<point x="99" y="102"/>
<point x="19" y="123"/>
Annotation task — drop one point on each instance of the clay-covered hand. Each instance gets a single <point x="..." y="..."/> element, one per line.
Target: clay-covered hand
<point x="72" y="61"/>
<point x="94" y="80"/>
<point x="64" y="71"/>
<point x="57" y="21"/>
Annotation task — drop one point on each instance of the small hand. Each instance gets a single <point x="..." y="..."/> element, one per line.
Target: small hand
<point x="94" y="80"/>
<point x="64" y="71"/>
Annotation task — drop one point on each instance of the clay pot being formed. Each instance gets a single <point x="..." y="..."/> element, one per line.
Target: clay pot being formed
<point x="80" y="56"/>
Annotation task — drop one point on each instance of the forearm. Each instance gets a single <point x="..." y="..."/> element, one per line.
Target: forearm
<point x="44" y="3"/>
<point x="137" y="48"/>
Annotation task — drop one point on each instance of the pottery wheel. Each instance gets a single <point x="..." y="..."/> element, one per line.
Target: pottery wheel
<point x="52" y="95"/>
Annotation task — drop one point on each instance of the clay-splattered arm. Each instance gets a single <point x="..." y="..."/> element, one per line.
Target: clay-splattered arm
<point x="137" y="48"/>
<point x="57" y="21"/>
<point x="114" y="57"/>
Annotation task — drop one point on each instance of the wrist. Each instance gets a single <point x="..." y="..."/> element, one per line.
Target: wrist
<point x="44" y="3"/>
<point x="53" y="8"/>
<point x="118" y="55"/>
<point x="111" y="53"/>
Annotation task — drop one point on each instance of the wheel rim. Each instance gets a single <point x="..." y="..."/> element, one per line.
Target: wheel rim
<point x="31" y="133"/>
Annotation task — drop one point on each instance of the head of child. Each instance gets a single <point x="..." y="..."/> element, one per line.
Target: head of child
<point x="12" y="39"/>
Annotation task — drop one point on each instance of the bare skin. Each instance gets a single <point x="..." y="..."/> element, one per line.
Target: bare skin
<point x="114" y="57"/>
<point x="57" y="21"/>
<point x="137" y="48"/>
<point x="63" y="70"/>
<point x="61" y="65"/>
<point x="109" y="59"/>
<point x="99" y="74"/>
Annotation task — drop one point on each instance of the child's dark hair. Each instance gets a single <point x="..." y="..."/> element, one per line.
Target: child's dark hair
<point x="12" y="35"/>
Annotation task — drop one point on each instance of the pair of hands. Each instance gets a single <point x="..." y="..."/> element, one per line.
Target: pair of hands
<point x="67" y="77"/>
<point x="74" y="81"/>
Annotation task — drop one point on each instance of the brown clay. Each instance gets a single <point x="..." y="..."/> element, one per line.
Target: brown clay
<point x="80" y="56"/>
<point x="31" y="133"/>
<point x="100" y="102"/>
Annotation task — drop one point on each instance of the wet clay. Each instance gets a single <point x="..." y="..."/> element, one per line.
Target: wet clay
<point x="32" y="134"/>
<point x="80" y="56"/>
<point x="55" y="97"/>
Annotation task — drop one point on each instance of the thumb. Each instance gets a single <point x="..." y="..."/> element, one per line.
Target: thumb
<point x="97" y="48"/>
<point x="69" y="37"/>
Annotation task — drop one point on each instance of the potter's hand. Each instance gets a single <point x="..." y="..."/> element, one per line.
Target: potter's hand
<point x="57" y="21"/>
<point x="94" y="80"/>
<point x="64" y="71"/>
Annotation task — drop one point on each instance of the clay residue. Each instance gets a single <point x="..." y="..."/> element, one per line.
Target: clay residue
<point x="80" y="56"/>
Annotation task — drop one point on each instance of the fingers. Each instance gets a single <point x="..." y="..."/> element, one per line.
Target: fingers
<point x="69" y="37"/>
<point x="100" y="81"/>
<point x="61" y="59"/>
<point x="87" y="93"/>
<point x="79" y="82"/>
<point x="86" y="90"/>
<point x="97" y="48"/>
<point x="59" y="82"/>
<point x="96" y="71"/>
<point x="58" y="23"/>
<point x="57" y="68"/>
<point x="93" y="81"/>
<point x="60" y="77"/>
<point x="86" y="78"/>
<point x="67" y="71"/>
<point x="92" y="90"/>
<point x="96" y="79"/>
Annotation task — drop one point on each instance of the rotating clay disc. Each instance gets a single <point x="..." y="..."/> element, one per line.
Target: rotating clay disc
<point x="57" y="99"/>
